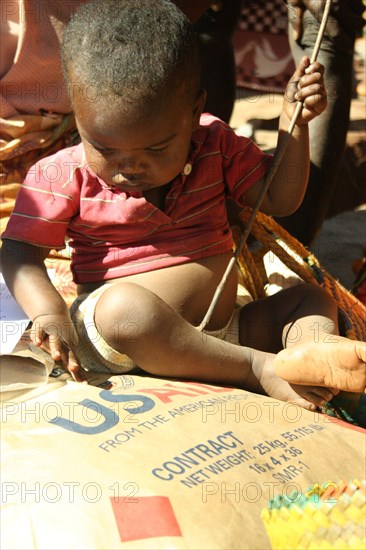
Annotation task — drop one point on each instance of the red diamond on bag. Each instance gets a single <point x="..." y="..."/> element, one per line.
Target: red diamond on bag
<point x="145" y="517"/>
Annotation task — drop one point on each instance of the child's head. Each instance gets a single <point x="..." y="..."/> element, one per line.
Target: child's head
<point x="133" y="72"/>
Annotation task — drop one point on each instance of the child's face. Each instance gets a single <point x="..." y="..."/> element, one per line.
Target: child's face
<point x="134" y="152"/>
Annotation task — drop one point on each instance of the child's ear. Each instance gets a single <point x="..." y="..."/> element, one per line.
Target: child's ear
<point x="198" y="107"/>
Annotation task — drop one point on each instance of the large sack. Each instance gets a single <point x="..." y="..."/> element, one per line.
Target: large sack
<point x="150" y="463"/>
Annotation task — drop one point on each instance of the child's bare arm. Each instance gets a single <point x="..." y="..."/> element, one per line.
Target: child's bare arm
<point x="288" y="187"/>
<point x="26" y="276"/>
<point x="27" y="279"/>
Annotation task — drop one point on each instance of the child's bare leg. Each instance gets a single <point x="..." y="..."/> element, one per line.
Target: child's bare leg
<point x="320" y="356"/>
<point x="292" y="317"/>
<point x="135" y="321"/>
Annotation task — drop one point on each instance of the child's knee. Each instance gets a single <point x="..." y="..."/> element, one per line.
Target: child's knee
<point x="124" y="313"/>
<point x="318" y="295"/>
<point x="314" y="300"/>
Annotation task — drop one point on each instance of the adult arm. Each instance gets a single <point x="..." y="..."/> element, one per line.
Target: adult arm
<point x="345" y="17"/>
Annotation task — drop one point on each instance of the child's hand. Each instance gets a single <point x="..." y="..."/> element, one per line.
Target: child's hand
<point x="307" y="86"/>
<point x="76" y="371"/>
<point x="56" y="334"/>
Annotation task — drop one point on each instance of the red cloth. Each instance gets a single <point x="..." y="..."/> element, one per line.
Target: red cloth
<point x="35" y="82"/>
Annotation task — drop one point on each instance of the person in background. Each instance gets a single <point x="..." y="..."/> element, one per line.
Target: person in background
<point x="36" y="117"/>
<point x="328" y="132"/>
<point x="215" y="31"/>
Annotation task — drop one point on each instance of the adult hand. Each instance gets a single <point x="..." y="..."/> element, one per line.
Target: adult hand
<point x="345" y="17"/>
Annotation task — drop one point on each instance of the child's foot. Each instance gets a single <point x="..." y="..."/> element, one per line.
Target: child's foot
<point x="308" y="397"/>
<point x="337" y="364"/>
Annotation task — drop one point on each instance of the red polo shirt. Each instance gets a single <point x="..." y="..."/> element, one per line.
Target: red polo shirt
<point x="113" y="233"/>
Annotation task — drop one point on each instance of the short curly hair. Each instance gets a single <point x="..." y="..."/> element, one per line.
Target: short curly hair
<point x="131" y="50"/>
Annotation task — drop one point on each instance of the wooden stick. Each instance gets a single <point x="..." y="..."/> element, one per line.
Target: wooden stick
<point x="269" y="178"/>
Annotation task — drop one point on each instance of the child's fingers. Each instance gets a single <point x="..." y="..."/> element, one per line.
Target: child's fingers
<point x="310" y="80"/>
<point x="305" y="75"/>
<point x="315" y="104"/>
<point x="323" y="393"/>
<point x="301" y="67"/>
<point x="314" y="101"/>
<point x="64" y="355"/>
<point x="37" y="334"/>
<point x="295" y="81"/>
<point x="311" y="92"/>
<point x="55" y="347"/>
<point x="305" y="67"/>
<point x="314" y="89"/>
<point x="315" y="67"/>
<point x="74" y="368"/>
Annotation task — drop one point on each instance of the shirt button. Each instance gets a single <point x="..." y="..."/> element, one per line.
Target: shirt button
<point x="187" y="169"/>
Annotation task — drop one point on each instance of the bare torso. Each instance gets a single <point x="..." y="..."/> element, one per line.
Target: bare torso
<point x="188" y="288"/>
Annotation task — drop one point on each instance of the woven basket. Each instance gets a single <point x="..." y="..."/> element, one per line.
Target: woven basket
<point x="328" y="517"/>
<point x="347" y="406"/>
